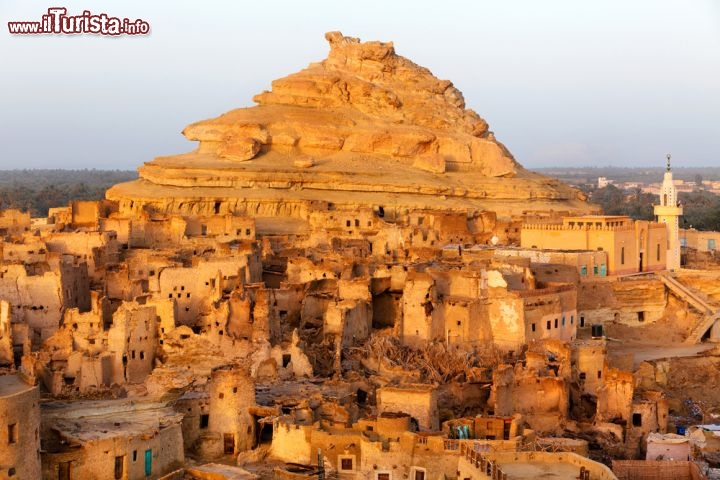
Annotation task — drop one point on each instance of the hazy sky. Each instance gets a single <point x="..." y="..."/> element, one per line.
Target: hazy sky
<point x="563" y="82"/>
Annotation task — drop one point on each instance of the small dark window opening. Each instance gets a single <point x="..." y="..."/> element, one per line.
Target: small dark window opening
<point x="582" y="376"/>
<point x="217" y="207"/>
<point x="641" y="316"/>
<point x="204" y="420"/>
<point x="533" y="327"/>
<point x="637" y="420"/>
<point x="286" y="359"/>
<point x="549" y="325"/>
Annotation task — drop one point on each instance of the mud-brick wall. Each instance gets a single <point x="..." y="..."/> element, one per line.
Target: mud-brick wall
<point x="19" y="429"/>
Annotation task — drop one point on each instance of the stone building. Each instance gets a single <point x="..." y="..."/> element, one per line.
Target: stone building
<point x="631" y="246"/>
<point x="120" y="440"/>
<point x="228" y="427"/>
<point x="19" y="429"/>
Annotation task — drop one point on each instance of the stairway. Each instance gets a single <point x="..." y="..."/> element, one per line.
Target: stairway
<point x="698" y="300"/>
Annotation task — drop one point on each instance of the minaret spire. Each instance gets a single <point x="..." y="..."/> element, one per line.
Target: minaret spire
<point x="668" y="212"/>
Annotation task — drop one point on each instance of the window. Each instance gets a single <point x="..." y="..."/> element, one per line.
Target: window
<point x="599" y="373"/>
<point x="533" y="327"/>
<point x="595" y="269"/>
<point x="572" y="319"/>
<point x="582" y="376"/>
<point x="119" y="467"/>
<point x="346" y="463"/>
<point x="622" y="256"/>
<point x="286" y="359"/>
<point x="347" y="223"/>
<point x="583" y="271"/>
<point x="637" y="420"/>
<point x="382" y="476"/>
<point x="229" y="443"/>
<point x="582" y="321"/>
<point x="419" y="474"/>
<point x="134" y="455"/>
<point x="657" y="254"/>
<point x="204" y="420"/>
<point x="12" y="433"/>
<point x="556" y="323"/>
<point x="549" y="325"/>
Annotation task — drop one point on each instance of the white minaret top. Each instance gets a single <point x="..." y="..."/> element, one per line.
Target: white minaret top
<point x="668" y="192"/>
<point x="669" y="212"/>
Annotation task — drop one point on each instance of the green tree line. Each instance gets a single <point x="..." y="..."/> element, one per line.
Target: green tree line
<point x="701" y="209"/>
<point x="36" y="191"/>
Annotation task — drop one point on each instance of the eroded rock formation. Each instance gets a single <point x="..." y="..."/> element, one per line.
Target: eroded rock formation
<point x="364" y="127"/>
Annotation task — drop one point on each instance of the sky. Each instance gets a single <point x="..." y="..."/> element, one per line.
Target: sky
<point x="561" y="82"/>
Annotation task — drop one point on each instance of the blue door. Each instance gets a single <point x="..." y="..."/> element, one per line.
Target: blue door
<point x="148" y="463"/>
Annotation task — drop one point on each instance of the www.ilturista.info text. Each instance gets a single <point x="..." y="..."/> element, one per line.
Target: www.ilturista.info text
<point x="58" y="22"/>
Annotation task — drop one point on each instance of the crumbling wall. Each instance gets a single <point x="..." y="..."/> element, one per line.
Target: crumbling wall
<point x="6" y="340"/>
<point x="542" y="400"/>
<point x="133" y="339"/>
<point x="418" y="401"/>
<point x="422" y="322"/>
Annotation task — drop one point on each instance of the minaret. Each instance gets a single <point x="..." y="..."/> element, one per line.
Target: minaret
<point x="668" y="212"/>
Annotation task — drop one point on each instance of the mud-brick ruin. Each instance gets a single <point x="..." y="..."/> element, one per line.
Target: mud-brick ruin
<point x="353" y="279"/>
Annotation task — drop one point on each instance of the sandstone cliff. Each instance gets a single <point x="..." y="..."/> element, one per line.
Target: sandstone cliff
<point x="363" y="127"/>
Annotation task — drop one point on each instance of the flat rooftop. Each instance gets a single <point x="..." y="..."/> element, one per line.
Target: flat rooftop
<point x="546" y="471"/>
<point x="86" y="421"/>
<point x="12" y="385"/>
